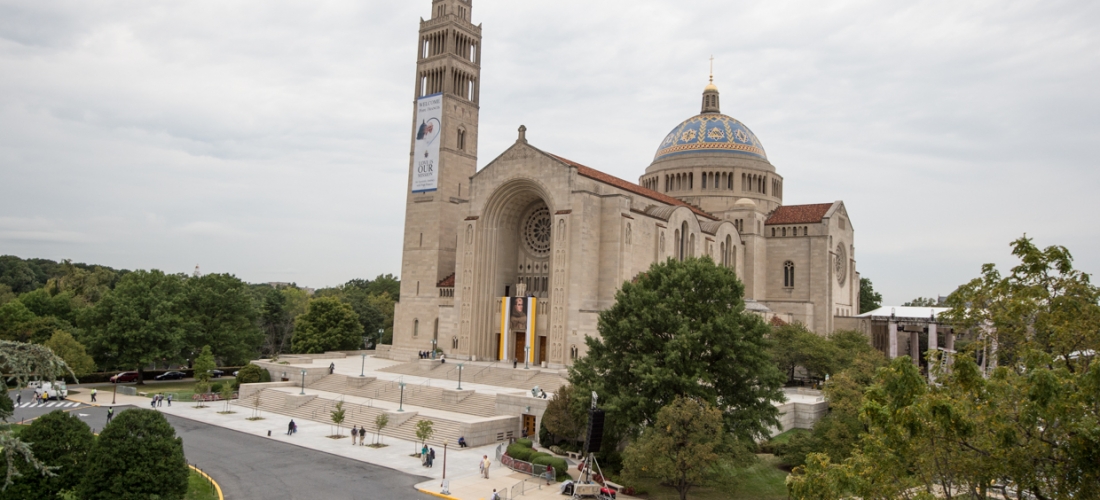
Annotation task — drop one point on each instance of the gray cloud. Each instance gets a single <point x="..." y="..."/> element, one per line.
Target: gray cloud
<point x="271" y="139"/>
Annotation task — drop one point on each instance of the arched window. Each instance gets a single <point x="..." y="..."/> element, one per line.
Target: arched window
<point x="691" y="245"/>
<point x="683" y="240"/>
<point x="676" y="241"/>
<point x="573" y="351"/>
<point x="462" y="139"/>
<point x="454" y="342"/>
<point x="728" y="254"/>
<point x="416" y="327"/>
<point x="788" y="274"/>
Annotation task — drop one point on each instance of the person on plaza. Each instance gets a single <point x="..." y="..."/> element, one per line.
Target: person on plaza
<point x="93" y="395"/>
<point x="542" y="394"/>
<point x="110" y="414"/>
<point x="354" y="434"/>
<point x="431" y="457"/>
<point x="484" y="465"/>
<point x="331" y="368"/>
<point x="424" y="455"/>
<point x="461" y="441"/>
<point x="290" y="427"/>
<point x="549" y="474"/>
<point x="442" y="359"/>
<point x="169" y="400"/>
<point x="495" y="496"/>
<point x="362" y="435"/>
<point x="153" y="402"/>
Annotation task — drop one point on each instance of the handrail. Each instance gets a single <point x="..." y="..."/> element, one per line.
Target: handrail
<point x="479" y="372"/>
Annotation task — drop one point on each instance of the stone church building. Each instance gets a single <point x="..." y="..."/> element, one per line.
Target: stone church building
<point x="535" y="224"/>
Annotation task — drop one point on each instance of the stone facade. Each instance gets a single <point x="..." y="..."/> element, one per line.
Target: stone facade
<point x="568" y="235"/>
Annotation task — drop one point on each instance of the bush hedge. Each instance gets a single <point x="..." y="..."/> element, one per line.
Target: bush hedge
<point x="525" y="442"/>
<point x="520" y="452"/>
<point x="561" y="468"/>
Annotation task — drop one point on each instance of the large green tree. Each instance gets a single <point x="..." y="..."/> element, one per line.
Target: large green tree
<point x="565" y="418"/>
<point x="681" y="330"/>
<point x="138" y="323"/>
<point x="136" y="457"/>
<point x="59" y="440"/>
<point x="218" y="311"/>
<point x="328" y="325"/>
<point x="64" y="345"/>
<point x="869" y="299"/>
<point x="683" y="449"/>
<point x="794" y="346"/>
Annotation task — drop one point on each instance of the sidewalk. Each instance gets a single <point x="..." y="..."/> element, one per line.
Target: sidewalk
<point x="502" y="480"/>
<point x="314" y="435"/>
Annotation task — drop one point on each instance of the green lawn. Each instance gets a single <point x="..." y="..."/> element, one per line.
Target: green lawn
<point x="786" y="436"/>
<point x="762" y="481"/>
<point x="198" y="488"/>
<point x="182" y="390"/>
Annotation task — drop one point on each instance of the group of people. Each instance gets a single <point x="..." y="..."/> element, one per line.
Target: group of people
<point x="158" y="400"/>
<point x="428" y="456"/>
<point x="428" y="355"/>
<point x="292" y="428"/>
<point x="361" y="433"/>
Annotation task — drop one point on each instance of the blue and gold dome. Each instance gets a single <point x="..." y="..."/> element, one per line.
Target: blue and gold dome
<point x="711" y="133"/>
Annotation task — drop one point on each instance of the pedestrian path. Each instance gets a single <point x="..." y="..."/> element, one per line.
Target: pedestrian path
<point x="51" y="404"/>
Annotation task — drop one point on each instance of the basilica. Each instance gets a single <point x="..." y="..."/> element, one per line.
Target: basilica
<point x="515" y="261"/>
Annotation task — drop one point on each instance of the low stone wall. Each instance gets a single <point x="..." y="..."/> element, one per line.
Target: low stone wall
<point x="801" y="414"/>
<point x="293" y="373"/>
<point x="249" y="390"/>
<point x="491" y="430"/>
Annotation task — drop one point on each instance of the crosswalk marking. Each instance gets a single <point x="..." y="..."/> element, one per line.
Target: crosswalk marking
<point x="58" y="404"/>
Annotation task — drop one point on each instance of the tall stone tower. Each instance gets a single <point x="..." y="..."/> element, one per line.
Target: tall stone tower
<point x="443" y="158"/>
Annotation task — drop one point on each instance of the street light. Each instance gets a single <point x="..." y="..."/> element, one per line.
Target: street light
<point x="460" y="376"/>
<point x="380" y="332"/>
<point x="362" y="365"/>
<point x="526" y="356"/>
<point x="433" y="348"/>
<point x="401" y="406"/>
<point x="303" y="393"/>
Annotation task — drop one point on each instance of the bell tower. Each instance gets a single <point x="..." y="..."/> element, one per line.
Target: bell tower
<point x="443" y="157"/>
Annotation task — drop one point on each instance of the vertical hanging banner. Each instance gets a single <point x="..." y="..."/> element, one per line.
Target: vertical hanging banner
<point x="429" y="112"/>
<point x="531" y="330"/>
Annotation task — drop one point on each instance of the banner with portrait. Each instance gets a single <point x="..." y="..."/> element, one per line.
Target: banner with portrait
<point x="517" y="315"/>
<point x="429" y="113"/>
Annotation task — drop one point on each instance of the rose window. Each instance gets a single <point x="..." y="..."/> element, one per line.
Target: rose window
<point x="841" y="264"/>
<point x="536" y="232"/>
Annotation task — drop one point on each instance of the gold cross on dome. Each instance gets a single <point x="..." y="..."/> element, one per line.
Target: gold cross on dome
<point x="712" y="68"/>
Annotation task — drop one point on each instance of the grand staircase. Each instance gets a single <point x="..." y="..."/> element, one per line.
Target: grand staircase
<point x="422" y="395"/>
<point x="497" y="374"/>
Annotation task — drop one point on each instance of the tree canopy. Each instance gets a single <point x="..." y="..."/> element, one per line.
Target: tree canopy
<point x="328" y="325"/>
<point x="136" y="457"/>
<point x="60" y="440"/>
<point x="217" y="311"/>
<point x="681" y="330"/>
<point x="869" y="299"/>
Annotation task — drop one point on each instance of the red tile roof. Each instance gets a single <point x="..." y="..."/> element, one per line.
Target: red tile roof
<point x="592" y="173"/>
<point x="799" y="214"/>
<point x="448" y="282"/>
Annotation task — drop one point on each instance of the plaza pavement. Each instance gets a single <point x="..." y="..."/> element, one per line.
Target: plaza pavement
<point x="461" y="463"/>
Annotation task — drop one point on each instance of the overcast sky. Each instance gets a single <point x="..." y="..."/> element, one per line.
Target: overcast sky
<point x="270" y="139"/>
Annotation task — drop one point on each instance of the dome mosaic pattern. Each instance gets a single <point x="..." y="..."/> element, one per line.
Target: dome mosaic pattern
<point x="711" y="133"/>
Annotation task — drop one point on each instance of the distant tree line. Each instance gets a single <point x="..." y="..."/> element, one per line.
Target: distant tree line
<point x="99" y="318"/>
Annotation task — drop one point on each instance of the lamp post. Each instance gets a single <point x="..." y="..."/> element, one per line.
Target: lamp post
<point x="401" y="405"/>
<point x="303" y="393"/>
<point x="433" y="348"/>
<point x="379" y="341"/>
<point x="362" y="364"/>
<point x="460" y="376"/>
<point x="526" y="356"/>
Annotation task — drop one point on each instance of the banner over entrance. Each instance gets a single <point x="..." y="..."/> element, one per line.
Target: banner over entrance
<point x="517" y="327"/>
<point x="429" y="113"/>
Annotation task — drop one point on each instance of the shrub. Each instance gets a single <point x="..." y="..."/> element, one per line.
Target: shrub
<point x="252" y="374"/>
<point x="138" y="455"/>
<point x="519" y="452"/>
<point x="217" y="387"/>
<point x="525" y="442"/>
<point x="561" y="468"/>
<point x="557" y="450"/>
<point x="537" y="455"/>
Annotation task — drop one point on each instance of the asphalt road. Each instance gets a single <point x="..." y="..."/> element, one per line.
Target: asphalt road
<point x="255" y="468"/>
<point x="26" y="410"/>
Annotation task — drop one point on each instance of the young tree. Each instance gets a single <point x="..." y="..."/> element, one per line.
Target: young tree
<point x="138" y="323"/>
<point x="869" y="299"/>
<point x="202" y="366"/>
<point x="59" y="440"/>
<point x="424" y="431"/>
<point x="338" y="416"/>
<point x="794" y="346"/>
<point x="328" y="325"/>
<point x="380" y="422"/>
<point x="136" y="456"/>
<point x="64" y="345"/>
<point x="563" y="418"/>
<point x="226" y="395"/>
<point x="681" y="330"/>
<point x="682" y="449"/>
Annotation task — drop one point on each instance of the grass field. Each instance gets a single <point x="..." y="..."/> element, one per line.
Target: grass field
<point x="762" y="481"/>
<point x="198" y="488"/>
<point x="786" y="436"/>
<point x="182" y="389"/>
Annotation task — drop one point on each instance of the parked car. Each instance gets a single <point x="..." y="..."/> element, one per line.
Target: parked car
<point x="235" y="372"/>
<point x="171" y="376"/>
<point x="125" y="377"/>
<point x="216" y="373"/>
<point x="52" y="390"/>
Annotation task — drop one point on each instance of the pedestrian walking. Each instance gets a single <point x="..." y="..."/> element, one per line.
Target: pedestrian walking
<point x="484" y="465"/>
<point x="93" y="395"/>
<point x="169" y="400"/>
<point x="494" y="496"/>
<point x="549" y="474"/>
<point x="153" y="403"/>
<point x="424" y="456"/>
<point x="290" y="427"/>
<point x="362" y="435"/>
<point x="110" y="414"/>
<point x="160" y="400"/>
<point x="354" y="434"/>
<point x="431" y="457"/>
<point x="331" y="368"/>
<point x="19" y="398"/>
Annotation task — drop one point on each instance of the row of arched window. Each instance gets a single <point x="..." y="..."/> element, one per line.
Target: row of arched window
<point x="793" y="231"/>
<point x="679" y="182"/>
<point x="717" y="180"/>
<point x="464" y="85"/>
<point x="752" y="183"/>
<point x="728" y="252"/>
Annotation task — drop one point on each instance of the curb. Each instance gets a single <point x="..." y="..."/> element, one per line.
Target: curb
<point x="217" y="487"/>
<point x="434" y="494"/>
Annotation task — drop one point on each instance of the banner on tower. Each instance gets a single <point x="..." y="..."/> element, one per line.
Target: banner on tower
<point x="429" y="112"/>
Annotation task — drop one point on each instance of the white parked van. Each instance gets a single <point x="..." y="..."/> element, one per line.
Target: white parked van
<point x="52" y="390"/>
